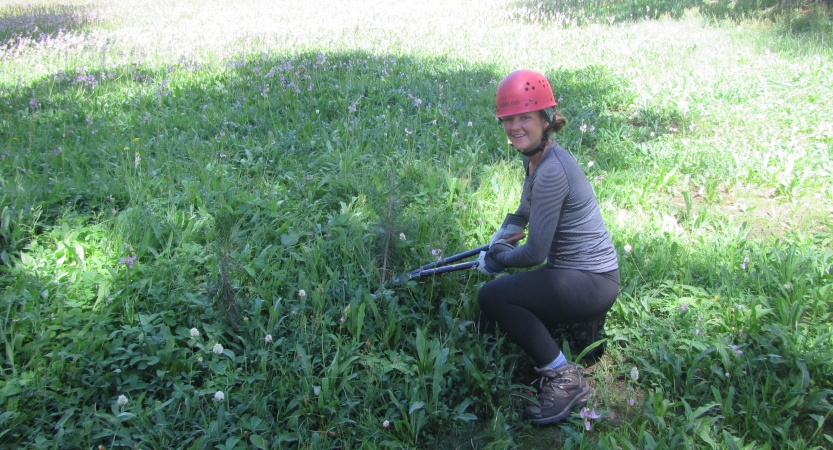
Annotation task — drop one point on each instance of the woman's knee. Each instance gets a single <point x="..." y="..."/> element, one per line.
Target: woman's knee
<point x="488" y="301"/>
<point x="484" y="300"/>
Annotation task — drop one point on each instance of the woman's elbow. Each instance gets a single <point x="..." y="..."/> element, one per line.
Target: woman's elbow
<point x="535" y="257"/>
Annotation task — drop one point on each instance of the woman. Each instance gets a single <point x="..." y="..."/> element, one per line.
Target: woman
<point x="559" y="210"/>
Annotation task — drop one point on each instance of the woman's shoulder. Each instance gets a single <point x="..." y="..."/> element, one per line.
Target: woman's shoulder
<point x="563" y="157"/>
<point x="554" y="157"/>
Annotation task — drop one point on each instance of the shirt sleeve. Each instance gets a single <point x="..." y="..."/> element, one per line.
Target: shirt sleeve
<point x="549" y="191"/>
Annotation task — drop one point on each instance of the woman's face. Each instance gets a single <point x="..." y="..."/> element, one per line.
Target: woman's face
<point x="525" y="130"/>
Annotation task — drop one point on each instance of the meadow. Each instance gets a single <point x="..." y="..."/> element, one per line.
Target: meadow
<point x="203" y="203"/>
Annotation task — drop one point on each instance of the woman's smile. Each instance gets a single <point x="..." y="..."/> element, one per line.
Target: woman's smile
<point x="524" y="131"/>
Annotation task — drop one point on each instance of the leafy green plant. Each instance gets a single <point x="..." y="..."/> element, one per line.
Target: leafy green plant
<point x="197" y="222"/>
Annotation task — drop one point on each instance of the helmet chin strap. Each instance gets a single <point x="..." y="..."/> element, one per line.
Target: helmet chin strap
<point x="547" y="114"/>
<point x="539" y="149"/>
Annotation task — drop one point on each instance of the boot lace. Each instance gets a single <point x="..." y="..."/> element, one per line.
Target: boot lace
<point x="549" y="385"/>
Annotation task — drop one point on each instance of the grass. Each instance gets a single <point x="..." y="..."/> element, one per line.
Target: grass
<point x="209" y="197"/>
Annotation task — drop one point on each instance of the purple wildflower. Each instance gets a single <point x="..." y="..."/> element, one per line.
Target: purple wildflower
<point x="588" y="414"/>
<point x="683" y="308"/>
<point x="128" y="261"/>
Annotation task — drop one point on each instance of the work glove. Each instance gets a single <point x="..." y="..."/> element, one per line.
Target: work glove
<point x="512" y="225"/>
<point x="486" y="261"/>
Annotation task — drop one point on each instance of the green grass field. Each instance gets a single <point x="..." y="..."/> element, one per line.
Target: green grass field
<point x="202" y="204"/>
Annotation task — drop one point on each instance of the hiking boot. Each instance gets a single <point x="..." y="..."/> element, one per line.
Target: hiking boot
<point x="582" y="335"/>
<point x="560" y="390"/>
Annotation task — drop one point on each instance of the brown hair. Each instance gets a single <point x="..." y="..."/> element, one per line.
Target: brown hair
<point x="558" y="122"/>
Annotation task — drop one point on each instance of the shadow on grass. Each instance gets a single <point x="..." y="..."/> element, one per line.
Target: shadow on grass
<point x="19" y="23"/>
<point x="332" y="118"/>
<point x="294" y="147"/>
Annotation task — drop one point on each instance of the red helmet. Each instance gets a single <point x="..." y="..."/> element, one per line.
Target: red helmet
<point x="523" y="91"/>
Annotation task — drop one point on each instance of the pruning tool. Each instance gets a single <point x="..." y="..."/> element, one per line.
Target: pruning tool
<point x="445" y="265"/>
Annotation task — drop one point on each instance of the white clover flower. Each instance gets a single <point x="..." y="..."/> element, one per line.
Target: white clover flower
<point x="402" y="236"/>
<point x="268" y="338"/>
<point x="385" y="424"/>
<point x="628" y="248"/>
<point x="194" y="332"/>
<point x="635" y="373"/>
<point x="218" y="349"/>
<point x="219" y="396"/>
<point x="469" y="123"/>
<point x="302" y="293"/>
<point x="199" y="359"/>
<point x="591" y="164"/>
<point x="122" y="400"/>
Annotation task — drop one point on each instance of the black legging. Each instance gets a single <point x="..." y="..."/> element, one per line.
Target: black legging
<point x="524" y="304"/>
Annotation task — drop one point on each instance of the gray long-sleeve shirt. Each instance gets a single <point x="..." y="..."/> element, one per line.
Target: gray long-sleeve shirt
<point x="565" y="224"/>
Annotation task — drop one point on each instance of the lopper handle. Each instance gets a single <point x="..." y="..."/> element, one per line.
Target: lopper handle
<point x="442" y="266"/>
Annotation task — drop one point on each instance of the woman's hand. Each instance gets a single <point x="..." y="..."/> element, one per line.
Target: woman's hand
<point x="512" y="225"/>
<point x="487" y="264"/>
